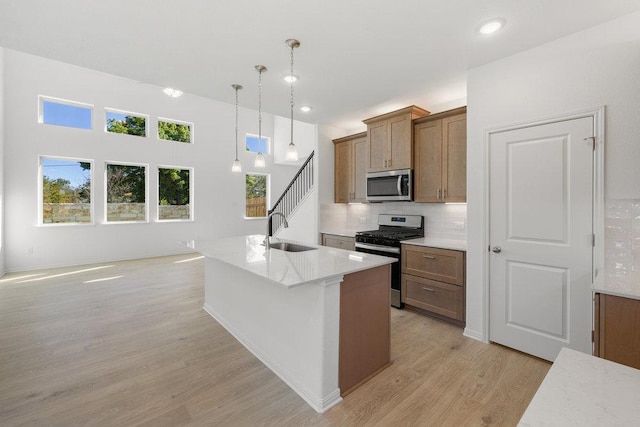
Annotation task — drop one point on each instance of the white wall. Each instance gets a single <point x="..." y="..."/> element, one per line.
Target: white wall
<point x="219" y="194"/>
<point x="2" y="262"/>
<point x="599" y="66"/>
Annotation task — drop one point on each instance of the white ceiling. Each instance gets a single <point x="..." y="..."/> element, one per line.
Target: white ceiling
<point x="358" y="58"/>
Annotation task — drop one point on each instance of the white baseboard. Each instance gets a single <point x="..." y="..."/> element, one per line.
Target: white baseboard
<point x="470" y="333"/>
<point x="320" y="404"/>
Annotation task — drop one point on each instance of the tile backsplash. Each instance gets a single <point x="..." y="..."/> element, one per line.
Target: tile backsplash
<point x="622" y="242"/>
<point x="447" y="221"/>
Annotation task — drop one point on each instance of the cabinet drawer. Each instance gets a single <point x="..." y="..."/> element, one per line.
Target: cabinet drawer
<point x="438" y="264"/>
<point x="340" y="242"/>
<point x="437" y="297"/>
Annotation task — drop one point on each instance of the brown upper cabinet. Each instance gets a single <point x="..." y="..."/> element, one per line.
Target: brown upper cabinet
<point x="390" y="139"/>
<point x="350" y="168"/>
<point x="440" y="157"/>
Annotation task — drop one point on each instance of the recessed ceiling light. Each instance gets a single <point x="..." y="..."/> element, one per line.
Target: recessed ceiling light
<point x="290" y="78"/>
<point x="306" y="108"/>
<point x="174" y="93"/>
<point x="492" y="26"/>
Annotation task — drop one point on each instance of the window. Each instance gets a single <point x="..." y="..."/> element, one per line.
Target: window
<point x="256" y="185"/>
<point x="60" y="112"/>
<point x="66" y="191"/>
<point x="126" y="189"/>
<point x="172" y="130"/>
<point x="255" y="144"/>
<point x="126" y="123"/>
<point x="174" y="194"/>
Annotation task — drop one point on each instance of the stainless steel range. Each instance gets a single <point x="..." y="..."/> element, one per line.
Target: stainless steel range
<point x="392" y="229"/>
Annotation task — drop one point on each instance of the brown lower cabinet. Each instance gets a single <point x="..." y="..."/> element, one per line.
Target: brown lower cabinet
<point x="617" y="329"/>
<point x="433" y="282"/>
<point x="365" y="326"/>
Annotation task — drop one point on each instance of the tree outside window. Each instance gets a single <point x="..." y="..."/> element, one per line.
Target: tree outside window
<point x="66" y="191"/>
<point x="256" y="195"/>
<point x="174" y="194"/>
<point x="126" y="193"/>
<point x="126" y="123"/>
<point x="172" y="131"/>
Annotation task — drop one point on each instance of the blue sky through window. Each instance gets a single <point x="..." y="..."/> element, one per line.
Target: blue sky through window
<point x="116" y="116"/>
<point x="54" y="113"/>
<point x="65" y="169"/>
<point x="252" y="143"/>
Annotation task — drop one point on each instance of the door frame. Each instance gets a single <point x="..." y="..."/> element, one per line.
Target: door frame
<point x="598" y="208"/>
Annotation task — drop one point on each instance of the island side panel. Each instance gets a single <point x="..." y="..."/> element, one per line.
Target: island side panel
<point x="365" y="326"/>
<point x="293" y="331"/>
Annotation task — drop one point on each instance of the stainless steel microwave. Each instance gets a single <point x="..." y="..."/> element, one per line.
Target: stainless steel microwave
<point x="387" y="186"/>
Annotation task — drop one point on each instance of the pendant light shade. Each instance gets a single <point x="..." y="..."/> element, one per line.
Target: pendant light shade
<point x="236" y="167"/>
<point x="259" y="161"/>
<point x="292" y="152"/>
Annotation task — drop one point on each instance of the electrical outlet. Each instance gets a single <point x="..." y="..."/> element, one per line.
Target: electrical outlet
<point x="363" y="220"/>
<point x="30" y="251"/>
<point x="458" y="225"/>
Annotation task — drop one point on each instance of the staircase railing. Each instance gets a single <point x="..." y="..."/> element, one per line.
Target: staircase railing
<point x="297" y="189"/>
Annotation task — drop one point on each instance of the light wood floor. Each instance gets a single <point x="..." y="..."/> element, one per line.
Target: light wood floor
<point x="128" y="343"/>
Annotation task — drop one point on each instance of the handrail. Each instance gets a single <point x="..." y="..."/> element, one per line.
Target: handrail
<point x="291" y="183"/>
<point x="293" y="193"/>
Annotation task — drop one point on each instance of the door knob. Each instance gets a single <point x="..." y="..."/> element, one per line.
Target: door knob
<point x="497" y="249"/>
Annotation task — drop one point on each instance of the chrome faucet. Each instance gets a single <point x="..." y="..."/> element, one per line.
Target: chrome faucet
<point x="267" y="244"/>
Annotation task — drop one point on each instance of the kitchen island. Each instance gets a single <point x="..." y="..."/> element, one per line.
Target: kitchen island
<point x="317" y="318"/>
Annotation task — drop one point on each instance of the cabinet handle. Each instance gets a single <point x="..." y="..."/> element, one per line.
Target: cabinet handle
<point x="428" y="256"/>
<point x="439" y="194"/>
<point x="444" y="193"/>
<point x="427" y="289"/>
<point x="389" y="162"/>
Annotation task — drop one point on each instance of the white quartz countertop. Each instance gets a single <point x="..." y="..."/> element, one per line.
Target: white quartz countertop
<point x="615" y="283"/>
<point x="286" y="268"/>
<point x="435" y="242"/>
<point x="583" y="390"/>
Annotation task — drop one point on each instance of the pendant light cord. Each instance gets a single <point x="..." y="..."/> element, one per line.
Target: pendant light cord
<point x="260" y="110"/>
<point x="237" y="121"/>
<point x="291" y="84"/>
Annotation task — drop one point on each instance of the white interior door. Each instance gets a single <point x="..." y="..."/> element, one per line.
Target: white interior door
<point x="541" y="237"/>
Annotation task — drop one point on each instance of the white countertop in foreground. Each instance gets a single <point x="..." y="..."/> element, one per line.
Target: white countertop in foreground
<point x="286" y="268"/>
<point x="435" y="242"/>
<point x="583" y="390"/>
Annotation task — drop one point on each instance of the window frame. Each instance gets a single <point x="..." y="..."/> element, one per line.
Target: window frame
<point x="177" y="122"/>
<point x="267" y="195"/>
<point x="45" y="98"/>
<point x="146" y="118"/>
<point x="105" y="220"/>
<point x="191" y="193"/>
<point x="40" y="193"/>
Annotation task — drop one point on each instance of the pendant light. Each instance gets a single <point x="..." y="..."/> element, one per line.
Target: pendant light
<point x="292" y="152"/>
<point x="236" y="167"/>
<point x="259" y="162"/>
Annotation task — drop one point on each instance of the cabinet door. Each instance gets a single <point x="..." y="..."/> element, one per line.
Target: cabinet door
<point x="359" y="164"/>
<point x="428" y="162"/>
<point x="378" y="146"/>
<point x="454" y="158"/>
<point x="437" y="297"/>
<point x="342" y="172"/>
<point x="618" y="339"/>
<point x="400" y="136"/>
<point x="340" y="242"/>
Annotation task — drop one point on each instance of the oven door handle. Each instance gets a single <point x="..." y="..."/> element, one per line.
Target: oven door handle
<point x="399" y="185"/>
<point x="388" y="249"/>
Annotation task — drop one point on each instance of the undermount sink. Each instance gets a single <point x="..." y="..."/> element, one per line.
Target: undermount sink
<point x="290" y="247"/>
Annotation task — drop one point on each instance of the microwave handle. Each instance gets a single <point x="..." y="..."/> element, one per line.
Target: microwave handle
<point x="399" y="185"/>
